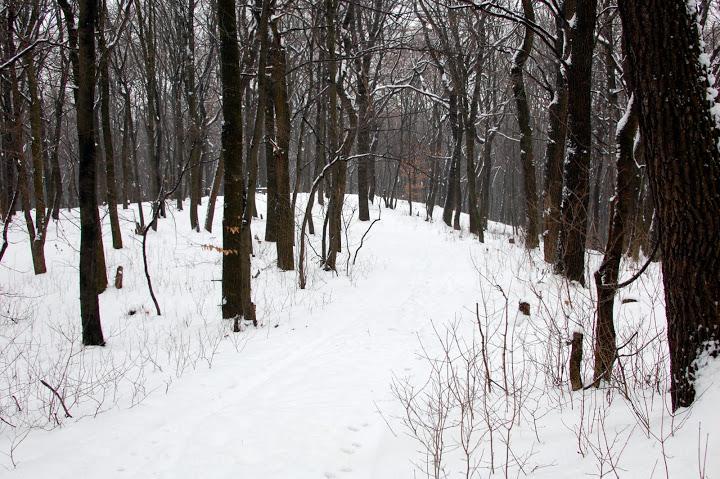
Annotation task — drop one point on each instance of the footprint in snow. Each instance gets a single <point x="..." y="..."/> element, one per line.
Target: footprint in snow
<point x="330" y="475"/>
<point x="347" y="451"/>
<point x="356" y="445"/>
<point x="353" y="428"/>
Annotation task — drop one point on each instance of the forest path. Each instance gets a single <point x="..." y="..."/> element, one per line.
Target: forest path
<point x="309" y="398"/>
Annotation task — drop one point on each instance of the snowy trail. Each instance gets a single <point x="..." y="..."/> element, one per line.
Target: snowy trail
<point x="300" y="400"/>
<point x="308" y="395"/>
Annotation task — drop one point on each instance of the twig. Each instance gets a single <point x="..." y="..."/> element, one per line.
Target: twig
<point x="362" y="240"/>
<point x="57" y="395"/>
<point x="9" y="424"/>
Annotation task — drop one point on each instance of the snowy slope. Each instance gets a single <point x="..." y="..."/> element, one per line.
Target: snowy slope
<point x="313" y="392"/>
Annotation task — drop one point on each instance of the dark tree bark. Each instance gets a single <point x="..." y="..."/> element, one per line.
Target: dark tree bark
<point x="125" y="156"/>
<point x="527" y="158"/>
<point x="363" y="145"/>
<point x="56" y="176"/>
<point x="339" y="169"/>
<point x="101" y="281"/>
<point x="681" y="137"/>
<point x="16" y="157"/>
<point x="89" y="217"/>
<point x="285" y="219"/>
<point x="104" y="66"/>
<point x="36" y="150"/>
<point x="9" y="173"/>
<point x="555" y="149"/>
<point x="606" y="277"/>
<point x="434" y="159"/>
<point x="146" y="18"/>
<point x="195" y="123"/>
<point x="452" y="197"/>
<point x="272" y="198"/>
<point x="570" y="260"/>
<point x="252" y="161"/>
<point x="236" y="302"/>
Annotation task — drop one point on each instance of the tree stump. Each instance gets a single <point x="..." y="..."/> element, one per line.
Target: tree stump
<point x="119" y="277"/>
<point x="576" y="353"/>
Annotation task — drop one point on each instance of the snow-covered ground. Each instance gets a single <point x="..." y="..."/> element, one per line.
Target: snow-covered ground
<point x="385" y="370"/>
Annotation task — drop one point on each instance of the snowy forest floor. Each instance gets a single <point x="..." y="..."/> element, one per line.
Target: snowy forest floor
<point x="413" y="361"/>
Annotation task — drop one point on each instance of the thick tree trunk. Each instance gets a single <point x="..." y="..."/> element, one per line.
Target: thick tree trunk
<point x="236" y="302"/>
<point x="683" y="163"/>
<point x="570" y="260"/>
<point x="89" y="217"/>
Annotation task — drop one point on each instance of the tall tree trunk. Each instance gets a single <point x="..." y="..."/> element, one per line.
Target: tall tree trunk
<point x="36" y="148"/>
<point x="56" y="176"/>
<point x="16" y="155"/>
<point x="339" y="169"/>
<point x="195" y="126"/>
<point x="473" y="212"/>
<point x="363" y="147"/>
<point x="125" y="155"/>
<point x="434" y="159"/>
<point x="236" y="303"/>
<point x="606" y="277"/>
<point x="681" y="136"/>
<point x="453" y="194"/>
<point x="89" y="217"/>
<point x="9" y="150"/>
<point x="153" y="126"/>
<point x="252" y="167"/>
<point x="485" y="182"/>
<point x="285" y="219"/>
<point x="570" y="260"/>
<point x="555" y="149"/>
<point x="272" y="198"/>
<point x="107" y="132"/>
<point x="527" y="158"/>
